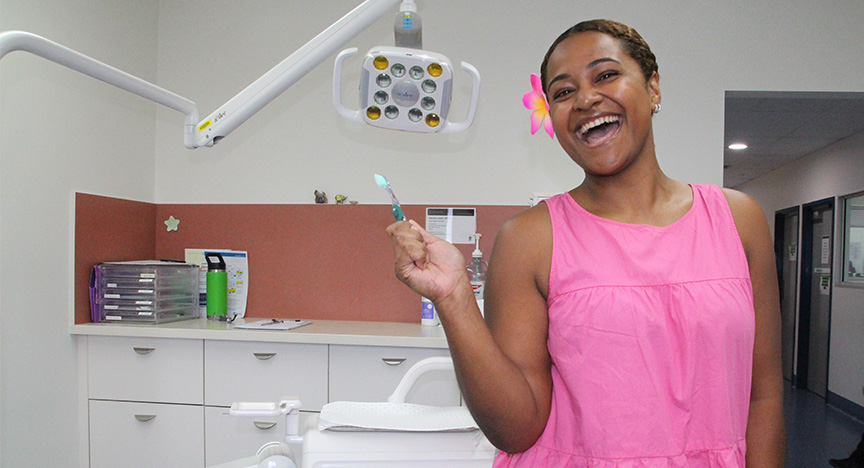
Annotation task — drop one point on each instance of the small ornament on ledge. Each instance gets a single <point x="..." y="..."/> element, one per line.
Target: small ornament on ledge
<point x="320" y="197"/>
<point x="172" y="223"/>
<point x="341" y="199"/>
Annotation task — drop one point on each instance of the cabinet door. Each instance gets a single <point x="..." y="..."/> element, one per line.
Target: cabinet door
<point x="145" y="435"/>
<point x="371" y="373"/>
<point x="160" y="370"/>
<point x="260" y="371"/>
<point x="228" y="438"/>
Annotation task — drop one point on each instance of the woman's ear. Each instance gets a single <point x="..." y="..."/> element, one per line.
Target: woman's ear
<point x="654" y="89"/>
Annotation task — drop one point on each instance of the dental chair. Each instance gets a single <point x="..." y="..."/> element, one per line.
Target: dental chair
<point x="379" y="434"/>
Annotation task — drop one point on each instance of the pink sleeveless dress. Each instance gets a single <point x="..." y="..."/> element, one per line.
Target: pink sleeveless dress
<point x="651" y="335"/>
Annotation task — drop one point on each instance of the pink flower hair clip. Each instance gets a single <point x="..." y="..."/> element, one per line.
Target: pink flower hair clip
<point x="535" y="101"/>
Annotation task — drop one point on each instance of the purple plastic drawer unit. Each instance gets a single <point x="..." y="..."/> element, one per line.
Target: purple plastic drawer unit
<point x="144" y="292"/>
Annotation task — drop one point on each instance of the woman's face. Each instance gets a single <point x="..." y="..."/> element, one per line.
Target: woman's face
<point x="600" y="103"/>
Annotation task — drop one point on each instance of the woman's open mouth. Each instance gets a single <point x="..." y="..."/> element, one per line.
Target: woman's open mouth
<point x="597" y="131"/>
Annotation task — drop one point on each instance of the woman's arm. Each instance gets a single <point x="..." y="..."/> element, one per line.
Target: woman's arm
<point x="765" y="431"/>
<point x="503" y="368"/>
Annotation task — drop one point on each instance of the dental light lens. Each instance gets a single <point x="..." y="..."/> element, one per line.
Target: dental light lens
<point x="405" y="93"/>
<point x="433" y="120"/>
<point x="398" y="70"/>
<point x="415" y="115"/>
<point x="435" y="69"/>
<point x="427" y="103"/>
<point x="391" y="112"/>
<point x="381" y="97"/>
<point x="381" y="62"/>
<point x="429" y="86"/>
<point x="373" y="112"/>
<point x="383" y="80"/>
<point x="416" y="72"/>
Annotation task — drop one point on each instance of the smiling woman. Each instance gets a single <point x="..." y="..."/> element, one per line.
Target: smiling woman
<point x="632" y="321"/>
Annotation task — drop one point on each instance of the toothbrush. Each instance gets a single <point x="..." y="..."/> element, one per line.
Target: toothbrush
<point x="397" y="208"/>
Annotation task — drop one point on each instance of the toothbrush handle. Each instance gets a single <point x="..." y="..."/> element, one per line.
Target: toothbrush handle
<point x="398" y="214"/>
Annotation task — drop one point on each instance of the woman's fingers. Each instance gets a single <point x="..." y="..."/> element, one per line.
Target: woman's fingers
<point x="409" y="247"/>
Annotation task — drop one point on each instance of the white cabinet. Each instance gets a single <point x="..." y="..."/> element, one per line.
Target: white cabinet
<point x="263" y="371"/>
<point x="163" y="401"/>
<point x="371" y="373"/>
<point x="126" y="377"/>
<point x="145" y="435"/>
<point x="229" y="438"/>
<point x="146" y="369"/>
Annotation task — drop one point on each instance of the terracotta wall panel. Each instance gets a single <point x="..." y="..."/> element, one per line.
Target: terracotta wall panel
<point x="331" y="262"/>
<point x="108" y="230"/>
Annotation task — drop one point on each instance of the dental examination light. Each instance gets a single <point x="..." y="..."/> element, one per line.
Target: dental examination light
<point x="405" y="88"/>
<point x="232" y="114"/>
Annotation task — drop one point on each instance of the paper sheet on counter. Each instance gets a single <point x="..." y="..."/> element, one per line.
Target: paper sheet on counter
<point x="274" y="324"/>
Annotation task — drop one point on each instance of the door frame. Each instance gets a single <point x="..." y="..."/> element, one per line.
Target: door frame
<point x="779" y="258"/>
<point x="804" y="298"/>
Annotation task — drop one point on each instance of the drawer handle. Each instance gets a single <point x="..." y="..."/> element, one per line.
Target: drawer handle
<point x="393" y="361"/>
<point x="264" y="356"/>
<point x="264" y="425"/>
<point x="143" y="350"/>
<point x="144" y="417"/>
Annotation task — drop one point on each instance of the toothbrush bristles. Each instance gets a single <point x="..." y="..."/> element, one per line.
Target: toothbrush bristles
<point x="381" y="181"/>
<point x="397" y="208"/>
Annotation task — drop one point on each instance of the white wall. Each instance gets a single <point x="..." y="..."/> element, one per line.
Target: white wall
<point x="300" y="144"/>
<point x="834" y="171"/>
<point x="61" y="132"/>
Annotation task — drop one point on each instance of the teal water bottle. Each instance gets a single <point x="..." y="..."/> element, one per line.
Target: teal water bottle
<point x="217" y="287"/>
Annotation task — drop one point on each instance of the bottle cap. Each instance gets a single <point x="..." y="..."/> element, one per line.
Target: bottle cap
<point x="408" y="5"/>
<point x="215" y="262"/>
<point x="477" y="253"/>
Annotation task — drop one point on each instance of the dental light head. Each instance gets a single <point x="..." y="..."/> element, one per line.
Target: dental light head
<point x="405" y="89"/>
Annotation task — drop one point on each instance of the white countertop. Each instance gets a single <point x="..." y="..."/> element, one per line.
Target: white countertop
<point x="340" y="332"/>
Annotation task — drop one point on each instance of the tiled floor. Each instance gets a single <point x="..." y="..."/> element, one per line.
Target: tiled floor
<point x="815" y="431"/>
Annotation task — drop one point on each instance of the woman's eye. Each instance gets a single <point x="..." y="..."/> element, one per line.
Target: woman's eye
<point x="562" y="93"/>
<point x="607" y="75"/>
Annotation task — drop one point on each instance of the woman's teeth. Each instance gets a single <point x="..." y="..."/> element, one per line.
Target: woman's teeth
<point x="596" y="122"/>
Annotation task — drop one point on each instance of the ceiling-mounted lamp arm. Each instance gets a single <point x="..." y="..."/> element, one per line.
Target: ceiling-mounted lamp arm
<point x="18" y="40"/>
<point x="266" y="88"/>
<point x="238" y="109"/>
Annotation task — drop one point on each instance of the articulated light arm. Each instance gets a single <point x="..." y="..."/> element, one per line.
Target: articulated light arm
<point x="237" y="110"/>
<point x="258" y="94"/>
<point x="37" y="45"/>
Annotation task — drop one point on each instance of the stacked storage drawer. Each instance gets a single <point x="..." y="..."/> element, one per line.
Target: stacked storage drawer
<point x="148" y="292"/>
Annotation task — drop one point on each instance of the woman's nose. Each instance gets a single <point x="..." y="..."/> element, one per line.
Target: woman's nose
<point x="586" y="98"/>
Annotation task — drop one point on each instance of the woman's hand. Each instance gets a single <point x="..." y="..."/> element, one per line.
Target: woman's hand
<point x="430" y="266"/>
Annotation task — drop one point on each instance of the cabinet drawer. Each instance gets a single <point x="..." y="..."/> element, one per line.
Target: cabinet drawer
<point x="145" y="435"/>
<point x="229" y="438"/>
<point x="146" y="369"/>
<point x="260" y="371"/>
<point x="371" y="373"/>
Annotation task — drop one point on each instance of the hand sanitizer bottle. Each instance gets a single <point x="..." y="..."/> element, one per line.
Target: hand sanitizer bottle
<point x="428" y="314"/>
<point x="477" y="272"/>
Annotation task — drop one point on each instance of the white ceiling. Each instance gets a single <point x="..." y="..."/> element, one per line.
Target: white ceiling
<point x="780" y="127"/>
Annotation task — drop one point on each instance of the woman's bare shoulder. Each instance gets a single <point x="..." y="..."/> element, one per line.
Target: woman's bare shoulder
<point x="748" y="216"/>
<point x="533" y="222"/>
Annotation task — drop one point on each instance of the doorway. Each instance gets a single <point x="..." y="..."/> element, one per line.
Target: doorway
<point x="786" y="255"/>
<point x="817" y="238"/>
